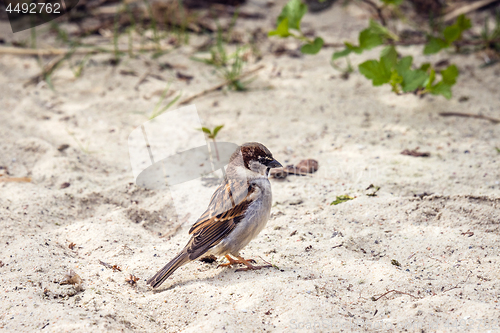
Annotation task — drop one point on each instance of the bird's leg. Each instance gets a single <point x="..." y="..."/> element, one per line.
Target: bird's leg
<point x="235" y="262"/>
<point x="249" y="265"/>
<point x="230" y="263"/>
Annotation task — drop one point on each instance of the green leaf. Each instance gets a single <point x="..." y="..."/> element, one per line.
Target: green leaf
<point x="451" y="34"/>
<point x="387" y="66"/>
<point x="425" y="66"/>
<point x="314" y="47"/>
<point x="404" y="64"/>
<point x="341" y="54"/>
<point x="341" y="198"/>
<point x="388" y="60"/>
<point x="390" y="56"/>
<point x="413" y="79"/>
<point x="205" y="130"/>
<point x="392" y="2"/>
<point x="444" y="86"/>
<point x="441" y="88"/>
<point x="463" y="23"/>
<point x="217" y="129"/>
<point x="353" y="48"/>
<point x="294" y="10"/>
<point x="434" y="45"/>
<point x="450" y="75"/>
<point x="382" y="31"/>
<point x="368" y="39"/>
<point x="405" y="75"/>
<point x="375" y="71"/>
<point x="281" y="29"/>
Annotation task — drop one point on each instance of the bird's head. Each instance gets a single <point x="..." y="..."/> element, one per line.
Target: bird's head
<point x="255" y="158"/>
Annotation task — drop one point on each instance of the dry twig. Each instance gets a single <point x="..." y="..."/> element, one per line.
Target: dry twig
<point x="391" y="291"/>
<point x="469" y="115"/>
<point x="378" y="9"/>
<point x="469" y="7"/>
<point x="82" y="50"/>
<point x="46" y="70"/>
<point x="415" y="153"/>
<point x="456" y="286"/>
<point x="16" y="179"/>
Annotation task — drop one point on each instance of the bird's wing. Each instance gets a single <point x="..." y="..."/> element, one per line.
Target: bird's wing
<point x="227" y="207"/>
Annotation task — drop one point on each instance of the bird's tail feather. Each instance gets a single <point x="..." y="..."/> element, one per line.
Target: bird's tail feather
<point x="181" y="259"/>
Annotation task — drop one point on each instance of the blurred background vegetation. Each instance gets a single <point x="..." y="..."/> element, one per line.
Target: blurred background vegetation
<point x="128" y="28"/>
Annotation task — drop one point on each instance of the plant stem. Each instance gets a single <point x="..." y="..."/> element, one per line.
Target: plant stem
<point x="378" y="9"/>
<point x="216" y="150"/>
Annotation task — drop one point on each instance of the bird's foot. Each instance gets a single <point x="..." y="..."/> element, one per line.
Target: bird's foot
<point x="249" y="265"/>
<point x="240" y="261"/>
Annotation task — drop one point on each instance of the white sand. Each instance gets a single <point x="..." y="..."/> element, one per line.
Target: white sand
<point x="354" y="130"/>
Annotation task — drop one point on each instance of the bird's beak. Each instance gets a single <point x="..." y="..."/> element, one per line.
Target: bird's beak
<point x="274" y="164"/>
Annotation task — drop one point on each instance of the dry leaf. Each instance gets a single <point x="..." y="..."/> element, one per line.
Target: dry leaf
<point x="303" y="168"/>
<point x="132" y="280"/>
<point x="309" y="166"/>
<point x="415" y="153"/>
<point x="74" y="279"/>
<point x="63" y="147"/>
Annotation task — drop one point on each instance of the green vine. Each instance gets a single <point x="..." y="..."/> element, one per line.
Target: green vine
<point x="392" y="69"/>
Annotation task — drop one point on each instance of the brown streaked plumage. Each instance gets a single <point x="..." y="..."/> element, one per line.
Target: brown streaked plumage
<point x="238" y="211"/>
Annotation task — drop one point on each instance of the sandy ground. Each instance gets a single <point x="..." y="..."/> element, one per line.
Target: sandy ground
<point x="430" y="236"/>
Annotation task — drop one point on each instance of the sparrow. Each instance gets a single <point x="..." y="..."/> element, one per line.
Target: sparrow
<point x="238" y="211"/>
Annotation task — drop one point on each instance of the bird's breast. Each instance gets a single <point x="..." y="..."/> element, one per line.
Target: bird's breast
<point x="253" y="222"/>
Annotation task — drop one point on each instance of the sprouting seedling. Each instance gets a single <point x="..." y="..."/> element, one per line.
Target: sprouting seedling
<point x="212" y="135"/>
